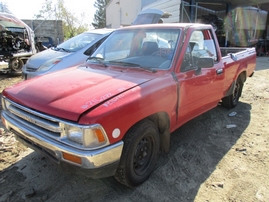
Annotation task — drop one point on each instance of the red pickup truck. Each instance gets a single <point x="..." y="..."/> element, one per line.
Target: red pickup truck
<point x="113" y="115"/>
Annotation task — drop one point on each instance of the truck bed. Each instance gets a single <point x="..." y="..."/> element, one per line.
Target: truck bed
<point x="225" y="51"/>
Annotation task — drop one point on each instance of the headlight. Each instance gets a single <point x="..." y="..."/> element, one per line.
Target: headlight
<point x="87" y="137"/>
<point x="5" y="103"/>
<point x="49" y="64"/>
<point x="75" y="134"/>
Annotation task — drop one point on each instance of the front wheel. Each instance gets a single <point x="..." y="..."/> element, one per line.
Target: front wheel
<point x="139" y="155"/>
<point x="232" y="100"/>
<point x="15" y="65"/>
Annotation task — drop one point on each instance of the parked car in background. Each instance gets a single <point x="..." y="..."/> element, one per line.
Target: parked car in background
<point x="72" y="52"/>
<point x="46" y="41"/>
<point x="17" y="42"/>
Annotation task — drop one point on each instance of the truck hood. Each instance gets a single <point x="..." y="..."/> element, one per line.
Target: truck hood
<point x="40" y="58"/>
<point x="66" y="96"/>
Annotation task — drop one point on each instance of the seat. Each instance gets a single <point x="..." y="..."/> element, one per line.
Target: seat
<point x="149" y="47"/>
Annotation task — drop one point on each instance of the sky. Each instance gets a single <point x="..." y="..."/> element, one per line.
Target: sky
<point x="26" y="9"/>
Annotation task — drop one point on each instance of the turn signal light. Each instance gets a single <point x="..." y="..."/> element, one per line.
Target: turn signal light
<point x="72" y="158"/>
<point x="3" y="121"/>
<point x="99" y="135"/>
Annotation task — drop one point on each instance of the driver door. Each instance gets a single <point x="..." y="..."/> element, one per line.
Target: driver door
<point x="200" y="89"/>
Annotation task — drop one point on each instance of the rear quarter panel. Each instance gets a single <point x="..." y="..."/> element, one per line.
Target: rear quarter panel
<point x="237" y="63"/>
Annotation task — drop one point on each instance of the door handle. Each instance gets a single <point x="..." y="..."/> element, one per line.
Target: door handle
<point x="219" y="71"/>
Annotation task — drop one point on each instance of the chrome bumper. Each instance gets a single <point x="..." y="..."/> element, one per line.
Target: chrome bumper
<point x="91" y="159"/>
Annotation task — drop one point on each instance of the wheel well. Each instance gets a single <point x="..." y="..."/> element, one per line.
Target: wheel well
<point x="243" y="76"/>
<point x="162" y="121"/>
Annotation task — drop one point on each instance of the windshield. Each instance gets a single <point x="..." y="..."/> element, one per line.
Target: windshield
<point x="78" y="42"/>
<point x="149" y="48"/>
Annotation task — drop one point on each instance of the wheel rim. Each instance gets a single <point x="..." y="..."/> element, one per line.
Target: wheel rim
<point x="143" y="155"/>
<point x="16" y="64"/>
<point x="236" y="92"/>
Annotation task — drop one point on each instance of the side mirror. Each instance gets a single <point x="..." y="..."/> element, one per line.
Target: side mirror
<point x="204" y="62"/>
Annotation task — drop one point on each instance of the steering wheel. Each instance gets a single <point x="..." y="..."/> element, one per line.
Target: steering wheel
<point x="162" y="52"/>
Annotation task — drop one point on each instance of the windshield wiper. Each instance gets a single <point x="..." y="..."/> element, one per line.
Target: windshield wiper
<point x="148" y="69"/>
<point x="62" y="49"/>
<point x="133" y="65"/>
<point x="124" y="63"/>
<point x="99" y="59"/>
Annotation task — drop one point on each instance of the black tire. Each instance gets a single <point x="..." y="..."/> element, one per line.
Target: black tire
<point x="232" y="100"/>
<point x="139" y="155"/>
<point x="16" y="65"/>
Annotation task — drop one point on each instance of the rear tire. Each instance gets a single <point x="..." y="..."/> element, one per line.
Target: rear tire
<point x="232" y="100"/>
<point x="139" y="155"/>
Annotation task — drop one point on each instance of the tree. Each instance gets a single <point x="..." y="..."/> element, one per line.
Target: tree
<point x="71" y="25"/>
<point x="100" y="14"/>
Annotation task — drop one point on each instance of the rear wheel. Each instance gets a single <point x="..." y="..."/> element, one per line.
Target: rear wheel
<point x="139" y="155"/>
<point x="232" y="100"/>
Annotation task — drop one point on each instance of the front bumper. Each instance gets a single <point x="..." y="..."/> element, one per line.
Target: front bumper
<point x="101" y="162"/>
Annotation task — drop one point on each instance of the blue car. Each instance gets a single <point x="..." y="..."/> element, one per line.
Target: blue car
<point x="72" y="52"/>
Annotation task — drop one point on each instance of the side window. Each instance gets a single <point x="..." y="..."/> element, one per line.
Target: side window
<point x="187" y="60"/>
<point x="201" y="44"/>
<point x="210" y="47"/>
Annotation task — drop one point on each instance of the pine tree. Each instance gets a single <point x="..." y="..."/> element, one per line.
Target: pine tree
<point x="100" y="14"/>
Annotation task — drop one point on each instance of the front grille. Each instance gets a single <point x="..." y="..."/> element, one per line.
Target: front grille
<point x="35" y="121"/>
<point x="28" y="143"/>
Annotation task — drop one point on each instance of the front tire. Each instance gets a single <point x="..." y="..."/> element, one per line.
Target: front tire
<point x="15" y="65"/>
<point x="139" y="155"/>
<point x="232" y="100"/>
